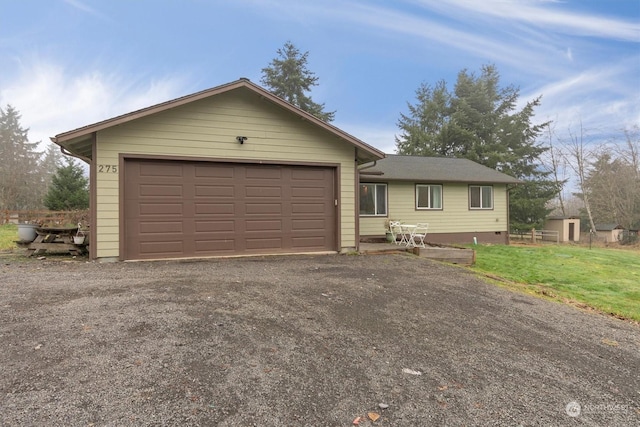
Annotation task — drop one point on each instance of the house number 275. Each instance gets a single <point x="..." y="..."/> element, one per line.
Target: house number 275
<point x="107" y="169"/>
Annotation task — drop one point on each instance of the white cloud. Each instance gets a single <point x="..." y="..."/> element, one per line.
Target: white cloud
<point x="82" y="6"/>
<point x="52" y="99"/>
<point x="603" y="99"/>
<point x="543" y="15"/>
<point x="521" y="46"/>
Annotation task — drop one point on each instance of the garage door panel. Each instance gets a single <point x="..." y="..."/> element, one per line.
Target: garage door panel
<point x="213" y="190"/>
<point x="263" y="225"/>
<point x="227" y="226"/>
<point x="165" y="190"/>
<point x="214" y="208"/>
<point x="153" y="169"/>
<point x="308" y="192"/>
<point x="308" y="208"/>
<point x="201" y="208"/>
<point x="263" y="243"/>
<point x="263" y="172"/>
<point x="263" y="191"/>
<point x="209" y="246"/>
<point x="161" y="227"/>
<point x="308" y="242"/>
<point x="263" y="209"/>
<point x="308" y="224"/>
<point x="220" y="171"/>
<point x="162" y="248"/>
<point x="155" y="209"/>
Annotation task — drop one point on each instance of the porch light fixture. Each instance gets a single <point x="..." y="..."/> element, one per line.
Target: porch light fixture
<point x="241" y="139"/>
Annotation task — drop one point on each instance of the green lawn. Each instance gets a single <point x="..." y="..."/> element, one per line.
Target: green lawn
<point x="8" y="236"/>
<point x="602" y="278"/>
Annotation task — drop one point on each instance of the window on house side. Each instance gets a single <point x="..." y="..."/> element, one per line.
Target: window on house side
<point x="428" y="196"/>
<point x="373" y="199"/>
<point x="481" y="197"/>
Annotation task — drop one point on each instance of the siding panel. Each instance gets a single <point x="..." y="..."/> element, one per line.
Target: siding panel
<point x="455" y="217"/>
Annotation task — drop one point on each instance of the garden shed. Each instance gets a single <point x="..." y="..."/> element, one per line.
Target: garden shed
<point x="567" y="227"/>
<point x="610" y="232"/>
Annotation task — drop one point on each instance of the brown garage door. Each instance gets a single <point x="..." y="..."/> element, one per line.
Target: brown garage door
<point x="176" y="209"/>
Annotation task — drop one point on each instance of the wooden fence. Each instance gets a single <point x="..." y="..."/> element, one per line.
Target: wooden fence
<point x="45" y="218"/>
<point x="538" y="236"/>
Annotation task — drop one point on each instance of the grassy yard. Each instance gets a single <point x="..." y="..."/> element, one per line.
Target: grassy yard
<point x="8" y="235"/>
<point x="603" y="278"/>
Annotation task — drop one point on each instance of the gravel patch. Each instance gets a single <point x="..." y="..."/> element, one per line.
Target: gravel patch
<point x="301" y="340"/>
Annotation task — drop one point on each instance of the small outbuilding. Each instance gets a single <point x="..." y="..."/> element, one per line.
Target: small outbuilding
<point x="610" y="232"/>
<point x="568" y="227"/>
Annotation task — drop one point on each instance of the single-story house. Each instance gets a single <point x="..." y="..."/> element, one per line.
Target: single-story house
<point x="458" y="198"/>
<point x="609" y="232"/>
<point x="232" y="170"/>
<point x="567" y="227"/>
<point x="235" y="170"/>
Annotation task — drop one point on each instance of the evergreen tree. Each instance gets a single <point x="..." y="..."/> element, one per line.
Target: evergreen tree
<point x="19" y="174"/>
<point x="479" y="121"/>
<point x="287" y="77"/>
<point x="426" y="131"/>
<point x="69" y="189"/>
<point x="51" y="160"/>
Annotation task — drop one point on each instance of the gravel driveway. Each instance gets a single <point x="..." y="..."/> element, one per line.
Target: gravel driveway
<point x="297" y="341"/>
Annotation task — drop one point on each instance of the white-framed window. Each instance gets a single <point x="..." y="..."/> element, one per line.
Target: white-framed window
<point x="428" y="196"/>
<point x="373" y="199"/>
<point x="480" y="197"/>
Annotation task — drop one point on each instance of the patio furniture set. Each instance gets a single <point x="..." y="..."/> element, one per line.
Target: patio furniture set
<point x="410" y="235"/>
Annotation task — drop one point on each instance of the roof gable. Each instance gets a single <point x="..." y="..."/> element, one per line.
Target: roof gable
<point x="76" y="141"/>
<point x="434" y="169"/>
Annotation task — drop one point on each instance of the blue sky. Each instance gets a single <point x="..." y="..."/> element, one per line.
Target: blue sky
<point x="69" y="63"/>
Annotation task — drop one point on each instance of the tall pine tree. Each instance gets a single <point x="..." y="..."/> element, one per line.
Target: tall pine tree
<point x="288" y="77"/>
<point x="19" y="169"/>
<point x="479" y="121"/>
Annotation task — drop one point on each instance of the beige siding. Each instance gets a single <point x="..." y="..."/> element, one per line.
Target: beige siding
<point x="562" y="227"/>
<point x="455" y="217"/>
<point x="208" y="128"/>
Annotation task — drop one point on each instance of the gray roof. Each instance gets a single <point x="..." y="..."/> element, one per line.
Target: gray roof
<point x="608" y="227"/>
<point x="433" y="169"/>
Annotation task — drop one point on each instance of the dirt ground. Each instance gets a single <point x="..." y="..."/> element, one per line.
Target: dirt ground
<point x="301" y="341"/>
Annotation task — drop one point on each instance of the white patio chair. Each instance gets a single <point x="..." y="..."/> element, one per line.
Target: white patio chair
<point x="418" y="235"/>
<point x="394" y="227"/>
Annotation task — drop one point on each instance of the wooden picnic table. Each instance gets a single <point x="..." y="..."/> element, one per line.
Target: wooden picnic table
<point x="56" y="239"/>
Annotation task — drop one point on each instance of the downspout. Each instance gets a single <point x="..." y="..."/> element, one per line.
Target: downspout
<point x="92" y="192"/>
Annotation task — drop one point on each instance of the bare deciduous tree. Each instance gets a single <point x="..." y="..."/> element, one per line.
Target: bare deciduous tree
<point x="578" y="157"/>
<point x="557" y="165"/>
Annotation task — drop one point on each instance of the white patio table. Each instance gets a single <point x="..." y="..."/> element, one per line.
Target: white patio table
<point x="407" y="231"/>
